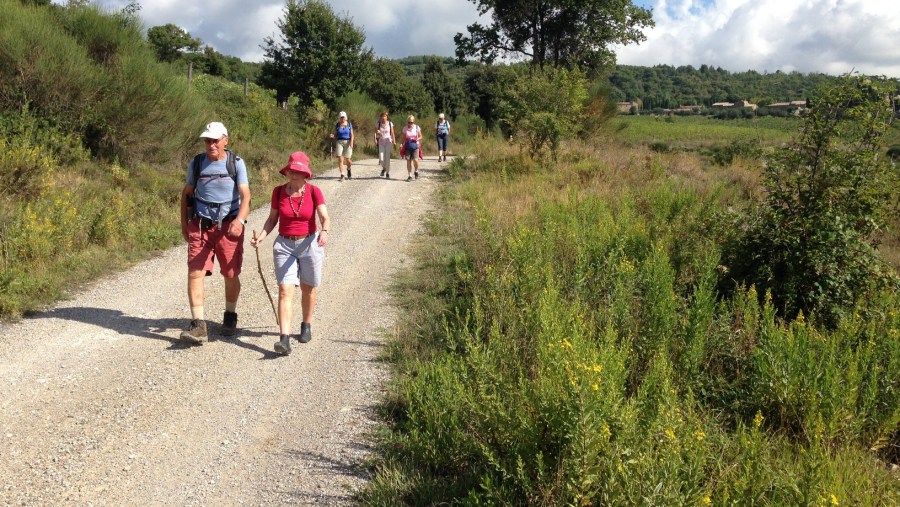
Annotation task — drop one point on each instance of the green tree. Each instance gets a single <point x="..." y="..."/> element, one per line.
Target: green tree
<point x="812" y="243"/>
<point x="319" y="56"/>
<point x="387" y="84"/>
<point x="543" y="108"/>
<point x="170" y="42"/>
<point x="556" y="32"/>
<point x="445" y="89"/>
<point x="485" y="86"/>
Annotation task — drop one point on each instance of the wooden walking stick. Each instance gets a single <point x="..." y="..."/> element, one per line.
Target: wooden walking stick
<point x="265" y="285"/>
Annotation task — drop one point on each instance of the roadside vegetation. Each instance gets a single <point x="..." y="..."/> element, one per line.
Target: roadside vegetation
<point x="95" y="136"/>
<point x="567" y="341"/>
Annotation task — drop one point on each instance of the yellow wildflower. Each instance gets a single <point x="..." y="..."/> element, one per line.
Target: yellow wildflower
<point x="834" y="500"/>
<point x="706" y="500"/>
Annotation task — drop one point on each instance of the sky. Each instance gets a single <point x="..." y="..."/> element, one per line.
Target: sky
<point x="830" y="36"/>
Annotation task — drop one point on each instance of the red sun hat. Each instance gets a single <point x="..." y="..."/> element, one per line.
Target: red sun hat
<point x="298" y="162"/>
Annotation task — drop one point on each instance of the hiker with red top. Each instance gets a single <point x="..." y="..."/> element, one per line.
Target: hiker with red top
<point x="299" y="249"/>
<point x="215" y="203"/>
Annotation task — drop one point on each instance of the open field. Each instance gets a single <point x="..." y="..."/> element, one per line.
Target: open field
<point x="701" y="131"/>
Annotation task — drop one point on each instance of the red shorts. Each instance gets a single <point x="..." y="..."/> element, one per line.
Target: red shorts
<point x="204" y="244"/>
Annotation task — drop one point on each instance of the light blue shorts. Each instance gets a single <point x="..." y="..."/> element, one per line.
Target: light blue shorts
<point x="298" y="261"/>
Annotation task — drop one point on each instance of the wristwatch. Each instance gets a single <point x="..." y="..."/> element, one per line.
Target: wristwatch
<point x="243" y="222"/>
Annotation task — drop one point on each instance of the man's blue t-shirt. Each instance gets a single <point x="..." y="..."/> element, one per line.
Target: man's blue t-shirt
<point x="216" y="194"/>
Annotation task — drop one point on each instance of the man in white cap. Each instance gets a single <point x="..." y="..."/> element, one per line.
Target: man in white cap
<point x="215" y="203"/>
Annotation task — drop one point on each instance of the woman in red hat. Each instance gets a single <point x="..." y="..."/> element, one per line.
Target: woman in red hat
<point x="299" y="249"/>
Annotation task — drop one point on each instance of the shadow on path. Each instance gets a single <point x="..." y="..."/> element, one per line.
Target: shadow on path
<point x="141" y="327"/>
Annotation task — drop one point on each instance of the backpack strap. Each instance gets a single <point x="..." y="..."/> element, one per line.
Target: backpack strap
<point x="230" y="166"/>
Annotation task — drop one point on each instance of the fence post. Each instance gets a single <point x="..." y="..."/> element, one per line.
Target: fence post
<point x="190" y="74"/>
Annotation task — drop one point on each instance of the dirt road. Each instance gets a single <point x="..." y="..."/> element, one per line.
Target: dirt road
<point x="102" y="406"/>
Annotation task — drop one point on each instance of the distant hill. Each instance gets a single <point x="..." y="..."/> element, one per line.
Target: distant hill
<point x="665" y="86"/>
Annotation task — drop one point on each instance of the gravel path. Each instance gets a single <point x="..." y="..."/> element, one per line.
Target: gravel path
<point x="102" y="406"/>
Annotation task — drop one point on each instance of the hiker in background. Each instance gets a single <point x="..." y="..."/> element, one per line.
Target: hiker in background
<point x="412" y="142"/>
<point x="442" y="132"/>
<point x="384" y="139"/>
<point x="344" y="139"/>
<point x="215" y="203"/>
<point x="299" y="249"/>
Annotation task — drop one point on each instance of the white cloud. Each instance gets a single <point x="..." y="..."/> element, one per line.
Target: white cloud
<point x="833" y="36"/>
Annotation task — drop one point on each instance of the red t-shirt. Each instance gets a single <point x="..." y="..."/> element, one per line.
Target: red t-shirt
<point x="294" y="218"/>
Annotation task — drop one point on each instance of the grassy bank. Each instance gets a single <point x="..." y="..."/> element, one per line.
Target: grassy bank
<point x="563" y="344"/>
<point x="95" y="137"/>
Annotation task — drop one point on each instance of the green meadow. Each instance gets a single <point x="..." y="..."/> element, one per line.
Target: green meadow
<point x="701" y="131"/>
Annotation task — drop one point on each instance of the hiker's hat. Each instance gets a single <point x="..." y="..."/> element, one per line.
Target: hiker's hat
<point x="298" y="162"/>
<point x="441" y="116"/>
<point x="342" y="115"/>
<point x="214" y="130"/>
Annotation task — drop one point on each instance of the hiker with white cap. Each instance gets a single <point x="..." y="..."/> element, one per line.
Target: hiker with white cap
<point x="344" y="140"/>
<point x="299" y="249"/>
<point x="215" y="203"/>
<point x="442" y="132"/>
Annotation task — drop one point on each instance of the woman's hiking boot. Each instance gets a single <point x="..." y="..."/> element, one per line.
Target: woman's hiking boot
<point x="305" y="333"/>
<point x="349" y="172"/>
<point x="196" y="334"/>
<point x="382" y="172"/>
<point x="283" y="345"/>
<point x="229" y="324"/>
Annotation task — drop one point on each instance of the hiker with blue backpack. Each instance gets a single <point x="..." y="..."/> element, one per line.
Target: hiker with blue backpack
<point x="412" y="143"/>
<point x="215" y="203"/>
<point x="384" y="139"/>
<point x="442" y="132"/>
<point x="344" y="140"/>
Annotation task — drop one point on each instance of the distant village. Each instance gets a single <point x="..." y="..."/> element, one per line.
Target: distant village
<point x="634" y="107"/>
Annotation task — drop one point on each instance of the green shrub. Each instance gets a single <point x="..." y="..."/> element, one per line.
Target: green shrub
<point x="828" y="195"/>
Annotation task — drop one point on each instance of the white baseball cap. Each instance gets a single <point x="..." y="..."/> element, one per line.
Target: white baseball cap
<point x="214" y="130"/>
<point x="342" y="115"/>
<point x="441" y="116"/>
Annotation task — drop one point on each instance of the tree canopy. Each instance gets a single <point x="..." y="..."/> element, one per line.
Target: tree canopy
<point x="319" y="56"/>
<point x="557" y="32"/>
<point x="170" y="41"/>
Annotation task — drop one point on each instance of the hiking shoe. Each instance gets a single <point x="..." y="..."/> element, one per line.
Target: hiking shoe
<point x="342" y="178"/>
<point x="387" y="175"/>
<point x="349" y="173"/>
<point x="196" y="335"/>
<point x="417" y="174"/>
<point x="409" y="178"/>
<point x="283" y="346"/>
<point x="305" y="333"/>
<point x="382" y="172"/>
<point x="229" y="324"/>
